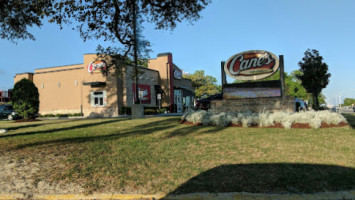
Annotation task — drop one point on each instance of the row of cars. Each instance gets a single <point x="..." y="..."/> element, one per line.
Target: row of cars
<point x="7" y="112"/>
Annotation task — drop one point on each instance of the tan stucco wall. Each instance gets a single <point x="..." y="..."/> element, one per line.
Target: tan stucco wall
<point x="18" y="77"/>
<point x="161" y="64"/>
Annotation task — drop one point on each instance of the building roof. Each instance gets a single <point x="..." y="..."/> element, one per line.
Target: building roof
<point x="58" y="66"/>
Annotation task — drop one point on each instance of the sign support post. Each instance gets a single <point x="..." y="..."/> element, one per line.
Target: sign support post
<point x="282" y="76"/>
<point x="224" y="81"/>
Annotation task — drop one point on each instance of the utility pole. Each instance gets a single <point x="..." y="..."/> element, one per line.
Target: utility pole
<point x="135" y="49"/>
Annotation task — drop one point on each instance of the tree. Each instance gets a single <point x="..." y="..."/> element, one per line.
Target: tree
<point x="25" y="99"/>
<point x="203" y="85"/>
<point x="349" y="102"/>
<point x="314" y="75"/>
<point x="16" y="16"/>
<point x="119" y="22"/>
<point x="114" y="20"/>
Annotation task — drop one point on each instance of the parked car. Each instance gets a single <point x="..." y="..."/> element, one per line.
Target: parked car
<point x="7" y="112"/>
<point x="300" y="105"/>
<point x="205" y="103"/>
<point x="335" y="109"/>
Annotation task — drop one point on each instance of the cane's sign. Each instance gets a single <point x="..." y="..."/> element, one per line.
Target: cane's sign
<point x="96" y="66"/>
<point x="251" y="65"/>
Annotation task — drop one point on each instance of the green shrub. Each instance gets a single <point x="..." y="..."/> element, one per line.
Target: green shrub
<point x="220" y="119"/>
<point x="25" y="99"/>
<point x="48" y="115"/>
<point x="62" y="115"/>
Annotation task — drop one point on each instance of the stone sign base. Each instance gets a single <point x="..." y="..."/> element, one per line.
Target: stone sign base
<point x="270" y="104"/>
<point x="137" y="111"/>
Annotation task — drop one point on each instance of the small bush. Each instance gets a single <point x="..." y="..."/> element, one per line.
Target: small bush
<point x="315" y="123"/>
<point x="199" y="117"/>
<point x="47" y="115"/>
<point x="220" y="119"/>
<point x="246" y="122"/>
<point x="286" y="124"/>
<point x="300" y="117"/>
<point x="62" y="115"/>
<point x="265" y="119"/>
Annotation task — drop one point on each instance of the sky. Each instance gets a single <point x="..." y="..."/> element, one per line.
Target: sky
<point x="226" y="27"/>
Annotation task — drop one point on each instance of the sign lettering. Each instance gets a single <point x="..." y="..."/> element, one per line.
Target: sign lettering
<point x="251" y="65"/>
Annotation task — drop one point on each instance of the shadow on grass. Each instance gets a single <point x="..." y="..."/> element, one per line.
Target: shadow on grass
<point x="168" y="125"/>
<point x="139" y="130"/>
<point x="86" y="125"/>
<point x="350" y="118"/>
<point x="190" y="129"/>
<point x="37" y="123"/>
<point x="274" y="178"/>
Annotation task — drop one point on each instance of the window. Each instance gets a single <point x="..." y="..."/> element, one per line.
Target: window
<point x="98" y="99"/>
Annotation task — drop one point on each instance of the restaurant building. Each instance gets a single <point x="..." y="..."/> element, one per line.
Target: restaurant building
<point x="83" y="88"/>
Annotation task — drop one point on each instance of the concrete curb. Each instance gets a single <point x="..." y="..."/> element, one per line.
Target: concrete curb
<point x="344" y="195"/>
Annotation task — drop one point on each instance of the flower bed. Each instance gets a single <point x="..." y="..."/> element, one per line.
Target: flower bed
<point x="309" y="119"/>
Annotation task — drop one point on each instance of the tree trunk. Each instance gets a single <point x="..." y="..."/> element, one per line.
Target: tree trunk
<point x="315" y="101"/>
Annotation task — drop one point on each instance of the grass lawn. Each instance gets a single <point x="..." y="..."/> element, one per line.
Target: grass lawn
<point x="159" y="155"/>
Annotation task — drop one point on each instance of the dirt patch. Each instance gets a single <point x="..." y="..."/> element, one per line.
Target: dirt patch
<point x="276" y="125"/>
<point x="24" y="176"/>
<point x="189" y="123"/>
<point x="325" y="125"/>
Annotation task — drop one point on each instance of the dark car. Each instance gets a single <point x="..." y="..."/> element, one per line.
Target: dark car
<point x="205" y="103"/>
<point x="7" y="112"/>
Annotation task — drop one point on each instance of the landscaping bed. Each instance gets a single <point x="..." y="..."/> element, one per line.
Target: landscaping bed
<point x="276" y="125"/>
<point x="309" y="119"/>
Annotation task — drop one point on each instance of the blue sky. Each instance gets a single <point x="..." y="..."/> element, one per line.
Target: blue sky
<point x="227" y="27"/>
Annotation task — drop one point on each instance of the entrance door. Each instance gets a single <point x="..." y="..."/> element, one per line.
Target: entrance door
<point x="178" y="100"/>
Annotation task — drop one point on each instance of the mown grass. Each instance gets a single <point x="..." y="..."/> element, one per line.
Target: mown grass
<point x="159" y="155"/>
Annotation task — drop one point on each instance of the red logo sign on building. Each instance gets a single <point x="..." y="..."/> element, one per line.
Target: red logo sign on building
<point x="143" y="92"/>
<point x="96" y="66"/>
<point x="251" y="65"/>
